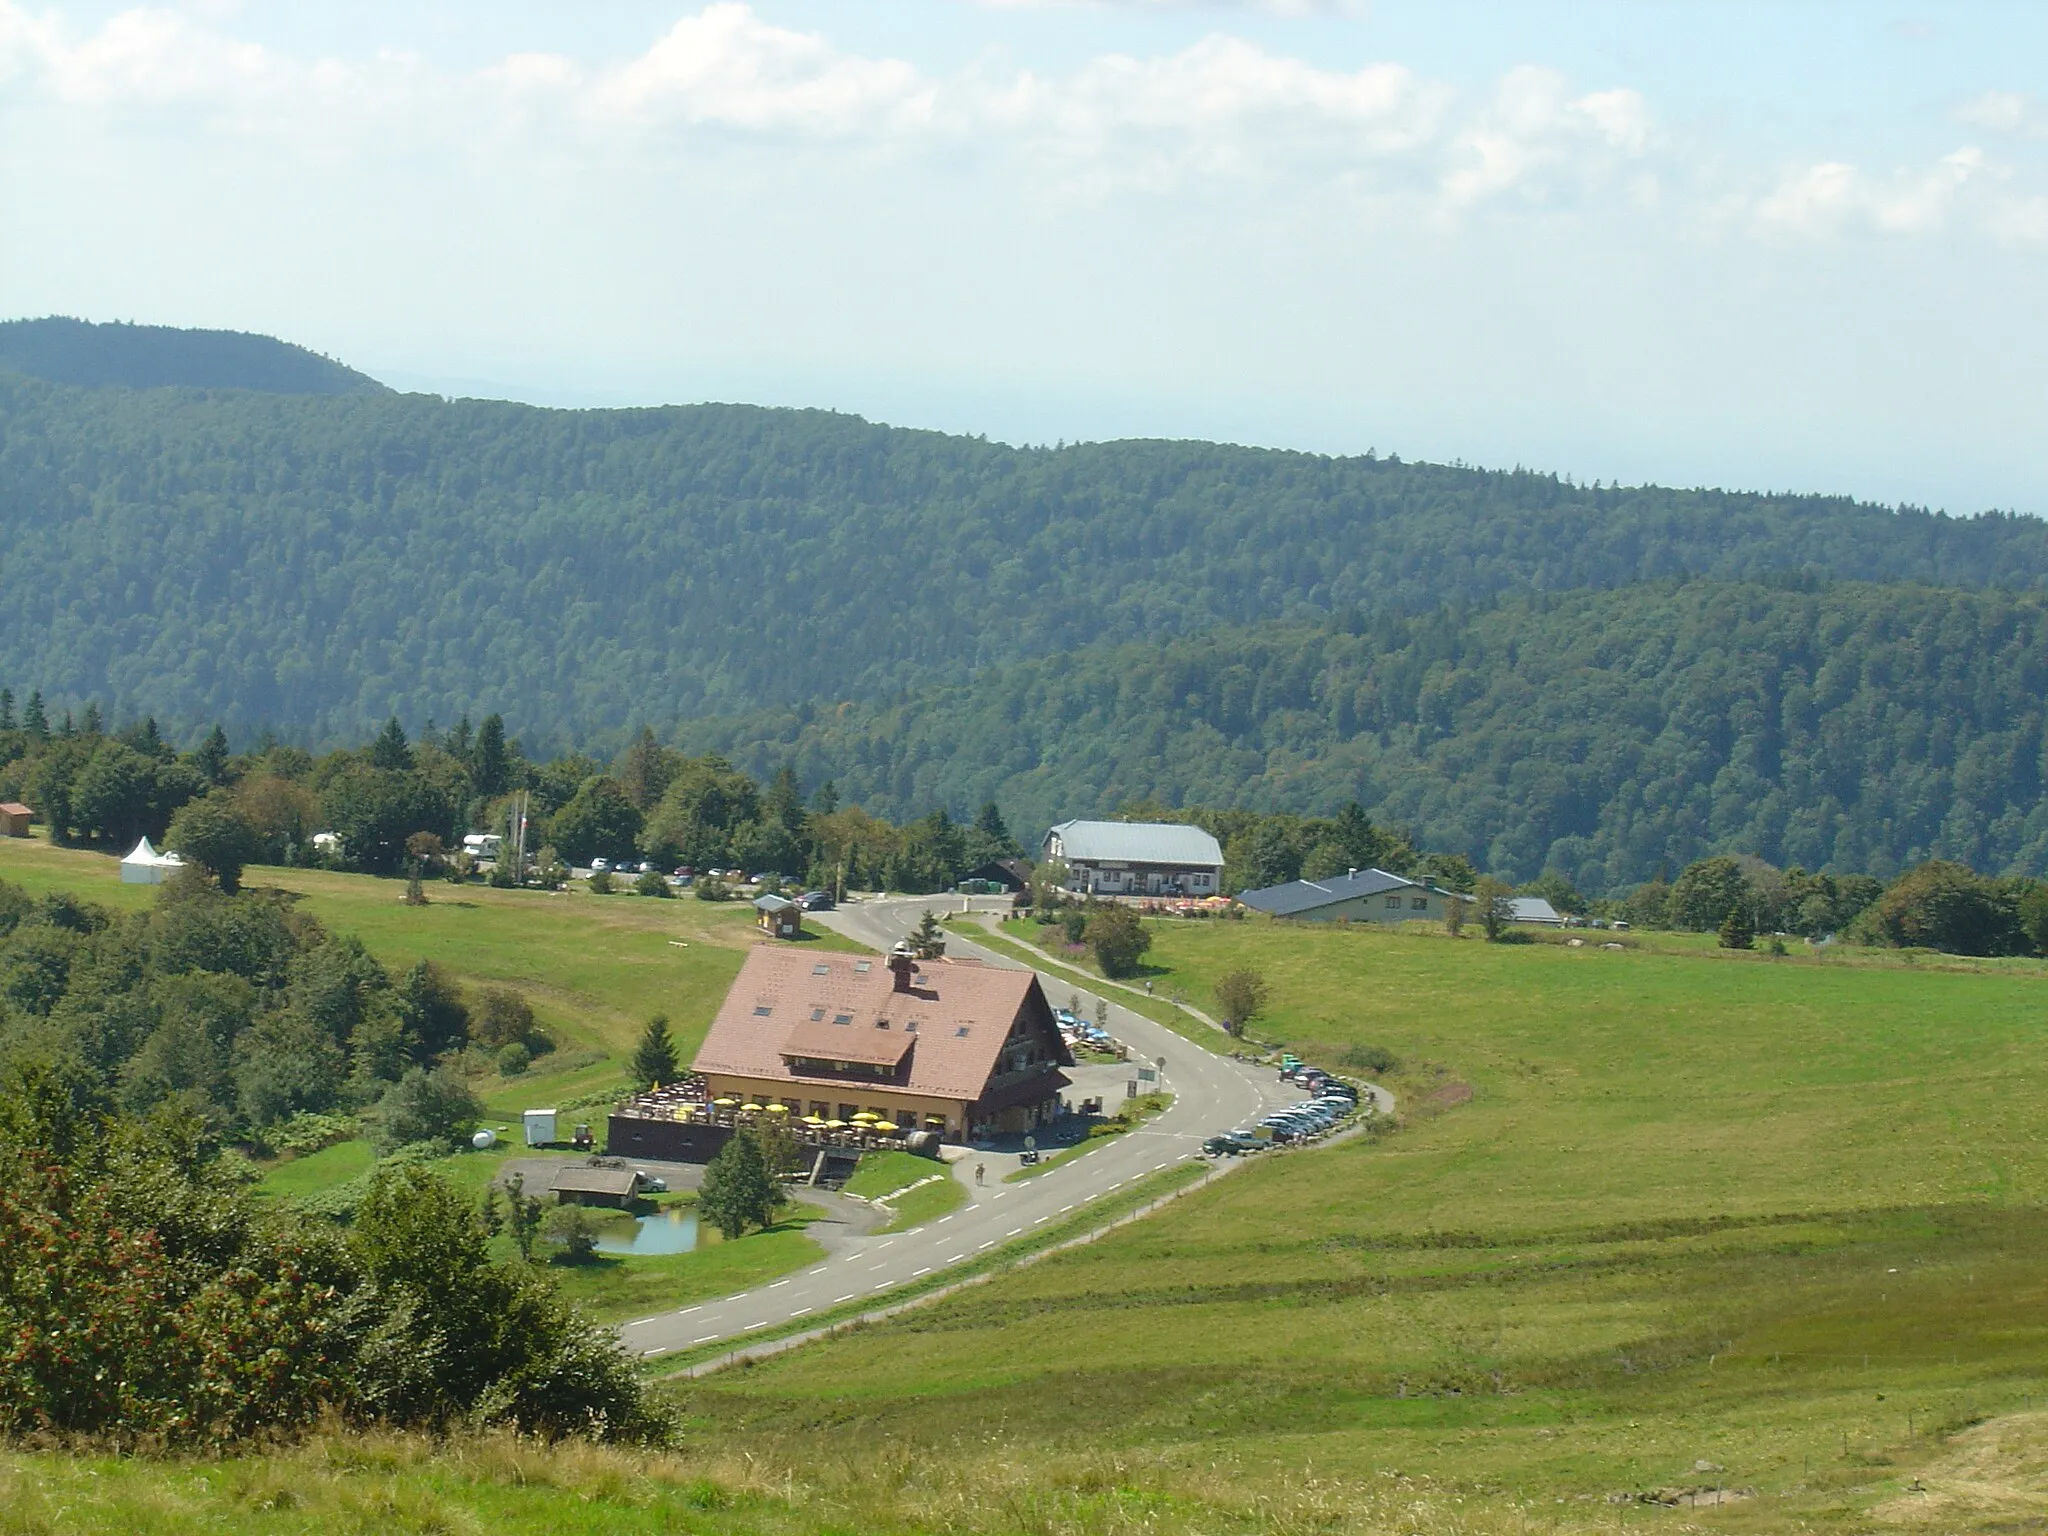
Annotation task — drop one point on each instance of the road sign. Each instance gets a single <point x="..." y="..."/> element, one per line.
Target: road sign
<point x="1146" y="1075"/>
<point x="1131" y="1089"/>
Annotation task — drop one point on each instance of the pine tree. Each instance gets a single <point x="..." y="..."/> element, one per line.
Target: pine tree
<point x="490" y="762"/>
<point x="391" y="749"/>
<point x="990" y="824"/>
<point x="654" y="1059"/>
<point x="33" y="720"/>
<point x="210" y="757"/>
<point x="928" y="940"/>
<point x="1737" y="931"/>
<point x="738" y="1191"/>
<point x="6" y="709"/>
<point x="91" y="724"/>
<point x="826" y="800"/>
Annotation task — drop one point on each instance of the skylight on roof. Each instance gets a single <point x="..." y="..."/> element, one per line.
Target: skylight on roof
<point x="817" y="1014"/>
<point x="842" y="1018"/>
<point x="863" y="966"/>
<point x="821" y="969"/>
<point x="960" y="1033"/>
<point x="762" y="1010"/>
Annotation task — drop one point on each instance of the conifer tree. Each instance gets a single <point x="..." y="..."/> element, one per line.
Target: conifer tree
<point x="210" y="757"/>
<point x="738" y="1190"/>
<point x="391" y="749"/>
<point x="490" y="763"/>
<point x="6" y="709"/>
<point x="1737" y="931"/>
<point x="91" y="724"/>
<point x="654" y="1059"/>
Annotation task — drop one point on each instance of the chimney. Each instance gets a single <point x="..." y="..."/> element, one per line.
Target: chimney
<point x="902" y="964"/>
<point x="1353" y="875"/>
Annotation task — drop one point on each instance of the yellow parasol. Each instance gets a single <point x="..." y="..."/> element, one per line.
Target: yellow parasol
<point x="886" y="1127"/>
<point x="750" y="1108"/>
<point x="814" y="1120"/>
<point x="725" y="1103"/>
<point x="835" y="1125"/>
<point x="778" y="1109"/>
<point x="866" y="1114"/>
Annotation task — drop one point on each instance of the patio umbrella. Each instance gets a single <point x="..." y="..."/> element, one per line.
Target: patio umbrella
<point x="725" y="1103"/>
<point x="750" y="1108"/>
<point x="814" y="1120"/>
<point x="866" y="1114"/>
<point x="778" y="1109"/>
<point x="886" y="1127"/>
<point x="835" y="1125"/>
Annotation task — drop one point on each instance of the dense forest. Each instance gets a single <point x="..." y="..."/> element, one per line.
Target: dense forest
<point x="317" y="563"/>
<point x="67" y="351"/>
<point x="1606" y="736"/>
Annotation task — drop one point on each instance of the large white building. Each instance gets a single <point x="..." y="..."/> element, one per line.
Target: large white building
<point x="1136" y="858"/>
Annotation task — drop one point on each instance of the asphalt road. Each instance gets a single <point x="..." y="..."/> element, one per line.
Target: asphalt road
<point x="1211" y="1093"/>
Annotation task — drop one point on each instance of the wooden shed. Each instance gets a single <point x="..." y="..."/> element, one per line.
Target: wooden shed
<point x="14" y="819"/>
<point x="614" y="1187"/>
<point x="780" y="916"/>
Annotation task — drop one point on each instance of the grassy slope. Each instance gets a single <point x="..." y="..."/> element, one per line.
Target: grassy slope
<point x="1689" y="1194"/>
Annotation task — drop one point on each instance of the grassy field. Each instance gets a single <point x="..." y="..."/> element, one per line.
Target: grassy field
<point x="1663" y="1218"/>
<point x="926" y="1203"/>
<point x="617" y="1289"/>
<point x="1649" y="1209"/>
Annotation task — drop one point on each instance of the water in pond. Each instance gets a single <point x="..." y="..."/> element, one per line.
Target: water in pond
<point x="670" y="1231"/>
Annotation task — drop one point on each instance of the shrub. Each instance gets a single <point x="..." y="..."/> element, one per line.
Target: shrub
<point x="652" y="883"/>
<point x="574" y="1231"/>
<point x="1073" y="923"/>
<point x="1376" y="1059"/>
<point x="711" y="888"/>
<point x="514" y="1059"/>
<point x="501" y="1017"/>
<point x="1241" y="995"/>
<point x="1118" y="939"/>
<point x="1947" y="907"/>
<point x="428" y="1106"/>
<point x="600" y="882"/>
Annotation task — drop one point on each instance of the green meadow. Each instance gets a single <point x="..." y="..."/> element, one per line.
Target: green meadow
<point x="1645" y="1210"/>
<point x="1657" y="1222"/>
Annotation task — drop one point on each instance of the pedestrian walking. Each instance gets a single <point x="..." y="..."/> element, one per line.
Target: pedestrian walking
<point x="981" y="1173"/>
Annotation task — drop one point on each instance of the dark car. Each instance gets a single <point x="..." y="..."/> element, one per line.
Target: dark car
<point x="815" y="901"/>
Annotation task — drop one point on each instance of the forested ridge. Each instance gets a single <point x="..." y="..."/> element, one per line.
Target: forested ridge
<point x="318" y="563"/>
<point x="1602" y="735"/>
<point x="67" y="351"/>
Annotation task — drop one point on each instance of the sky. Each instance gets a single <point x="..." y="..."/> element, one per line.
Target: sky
<point x="1784" y="246"/>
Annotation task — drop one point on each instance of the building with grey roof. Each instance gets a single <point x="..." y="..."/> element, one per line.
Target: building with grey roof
<point x="1534" y="910"/>
<point x="1362" y="896"/>
<point x="1136" y="858"/>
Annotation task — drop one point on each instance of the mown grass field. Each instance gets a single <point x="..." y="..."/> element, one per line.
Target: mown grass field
<point x="1648" y="1209"/>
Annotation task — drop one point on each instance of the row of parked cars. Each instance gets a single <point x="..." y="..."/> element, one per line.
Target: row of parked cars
<point x="1333" y="1102"/>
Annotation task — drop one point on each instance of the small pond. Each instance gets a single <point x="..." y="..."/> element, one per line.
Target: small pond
<point x="668" y="1231"/>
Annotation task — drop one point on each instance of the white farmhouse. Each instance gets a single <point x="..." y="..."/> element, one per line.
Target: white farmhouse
<point x="1136" y="858"/>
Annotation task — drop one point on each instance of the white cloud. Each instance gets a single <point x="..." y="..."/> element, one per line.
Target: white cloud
<point x="1834" y="197"/>
<point x="1535" y="133"/>
<point x="2008" y="112"/>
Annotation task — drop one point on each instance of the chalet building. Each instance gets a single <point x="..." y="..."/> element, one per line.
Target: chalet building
<point x="1362" y="896"/>
<point x="949" y="1046"/>
<point x="1137" y="858"/>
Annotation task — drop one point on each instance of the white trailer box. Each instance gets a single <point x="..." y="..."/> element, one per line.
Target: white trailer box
<point x="540" y="1127"/>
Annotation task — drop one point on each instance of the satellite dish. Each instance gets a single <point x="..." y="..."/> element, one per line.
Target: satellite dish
<point x="484" y="1139"/>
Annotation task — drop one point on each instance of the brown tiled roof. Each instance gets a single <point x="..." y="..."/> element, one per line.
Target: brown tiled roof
<point x="16" y="808"/>
<point x="955" y="1019"/>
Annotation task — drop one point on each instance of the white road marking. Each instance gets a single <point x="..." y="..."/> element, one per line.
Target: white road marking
<point x="989" y="1244"/>
<point x="924" y="1271"/>
<point x="1013" y="1231"/>
<point x="800" y="1311"/>
<point x="659" y="1349"/>
<point x="741" y="1297"/>
<point x="688" y="1310"/>
<point x="847" y="1297"/>
<point x="1064" y="1209"/>
<point x="752" y="1326"/>
<point x="705" y="1340"/>
<point x="944" y="1219"/>
<point x="778" y="1285"/>
<point x="956" y="1258"/>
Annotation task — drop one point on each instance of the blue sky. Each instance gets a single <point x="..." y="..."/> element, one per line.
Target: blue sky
<point x="1784" y="246"/>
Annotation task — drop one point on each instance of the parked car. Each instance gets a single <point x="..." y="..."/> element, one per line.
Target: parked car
<point x="600" y="866"/>
<point x="815" y="901"/>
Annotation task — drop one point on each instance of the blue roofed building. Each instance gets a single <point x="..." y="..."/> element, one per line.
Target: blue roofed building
<point x="1136" y="858"/>
<point x="1362" y="896"/>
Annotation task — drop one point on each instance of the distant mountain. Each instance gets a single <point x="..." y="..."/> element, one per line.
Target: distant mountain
<point x="1605" y="735"/>
<point x="67" y="351"/>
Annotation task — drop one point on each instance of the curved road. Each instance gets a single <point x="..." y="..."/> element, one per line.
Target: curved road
<point x="1211" y="1093"/>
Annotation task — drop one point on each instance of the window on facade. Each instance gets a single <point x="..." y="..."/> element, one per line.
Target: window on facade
<point x="1418" y="903"/>
<point x="1394" y="902"/>
<point x="821" y="1109"/>
<point x="847" y="1111"/>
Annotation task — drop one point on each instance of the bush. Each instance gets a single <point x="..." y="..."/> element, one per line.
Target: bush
<point x="501" y="1018"/>
<point x="652" y="882"/>
<point x="514" y="1059"/>
<point x="600" y="882"/>
<point x="1118" y="939"/>
<point x="574" y="1231"/>
<point x="428" y="1106"/>
<point x="711" y="888"/>
<point x="1375" y="1059"/>
<point x="1947" y="907"/>
<point x="1073" y="923"/>
<point x="1241" y="995"/>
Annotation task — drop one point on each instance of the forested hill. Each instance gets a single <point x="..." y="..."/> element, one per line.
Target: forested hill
<point x="318" y="563"/>
<point x="1603" y="735"/>
<point x="70" y="351"/>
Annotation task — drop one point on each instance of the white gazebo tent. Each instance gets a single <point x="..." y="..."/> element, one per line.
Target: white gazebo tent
<point x="145" y="866"/>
